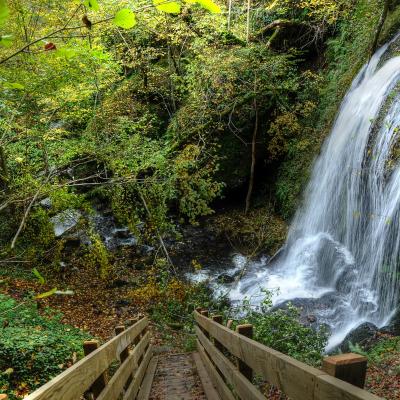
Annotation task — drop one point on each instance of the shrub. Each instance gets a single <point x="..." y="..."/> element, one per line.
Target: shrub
<point x="281" y="330"/>
<point x="33" y="348"/>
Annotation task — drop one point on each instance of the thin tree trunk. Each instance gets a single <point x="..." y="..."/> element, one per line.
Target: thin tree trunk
<point x="171" y="84"/>
<point x="248" y="20"/>
<point x="158" y="234"/>
<point x="380" y="26"/>
<point x="3" y="168"/>
<point x="229" y="14"/>
<point x="253" y="158"/>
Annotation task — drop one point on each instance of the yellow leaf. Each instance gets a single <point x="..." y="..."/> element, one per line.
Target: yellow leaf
<point x="170" y="7"/>
<point x="46" y="294"/>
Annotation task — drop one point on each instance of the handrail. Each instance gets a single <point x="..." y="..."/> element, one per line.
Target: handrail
<point x="90" y="373"/>
<point x="294" y="378"/>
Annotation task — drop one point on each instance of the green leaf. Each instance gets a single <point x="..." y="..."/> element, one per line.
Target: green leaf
<point x="92" y="5"/>
<point x="46" y="294"/>
<point x="6" y="40"/>
<point x="209" y="5"/>
<point x="66" y="52"/>
<point x="170" y="7"/>
<point x="13" y="85"/>
<point x="125" y="18"/>
<point x="39" y="276"/>
<point x="4" y="11"/>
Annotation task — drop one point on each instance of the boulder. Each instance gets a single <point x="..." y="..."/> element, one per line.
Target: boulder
<point x="225" y="278"/>
<point x="364" y="335"/>
<point x="65" y="221"/>
<point x="393" y="327"/>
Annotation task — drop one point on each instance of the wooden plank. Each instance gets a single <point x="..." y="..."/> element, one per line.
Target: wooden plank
<point x="297" y="380"/>
<point x="74" y="381"/>
<point x="134" y="387"/>
<point x="209" y="389"/>
<point x="330" y="388"/>
<point x="218" y="319"/>
<point x="292" y="377"/>
<point x="145" y="388"/>
<point x="124" y="372"/>
<point x="243" y="387"/>
<point x="218" y="382"/>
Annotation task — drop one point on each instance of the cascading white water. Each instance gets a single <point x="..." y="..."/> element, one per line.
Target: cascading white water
<point x="344" y="243"/>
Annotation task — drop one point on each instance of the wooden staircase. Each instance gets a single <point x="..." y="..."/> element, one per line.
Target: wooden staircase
<point x="128" y="367"/>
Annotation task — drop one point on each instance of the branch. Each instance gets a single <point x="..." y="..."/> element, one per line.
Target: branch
<point x="27" y="211"/>
<point x="158" y="234"/>
<point x="65" y="28"/>
<point x="280" y="23"/>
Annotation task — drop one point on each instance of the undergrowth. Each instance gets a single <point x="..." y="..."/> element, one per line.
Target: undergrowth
<point x="34" y="347"/>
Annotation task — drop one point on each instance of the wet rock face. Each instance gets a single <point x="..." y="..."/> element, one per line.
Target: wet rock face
<point x="66" y="225"/>
<point x="112" y="235"/>
<point x="393" y="327"/>
<point x="365" y="335"/>
<point x="65" y="221"/>
<point x="225" y="278"/>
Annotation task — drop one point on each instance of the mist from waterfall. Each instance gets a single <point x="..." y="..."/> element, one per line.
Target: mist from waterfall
<point x="344" y="243"/>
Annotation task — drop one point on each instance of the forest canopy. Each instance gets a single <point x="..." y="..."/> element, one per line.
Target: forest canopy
<point x="156" y="109"/>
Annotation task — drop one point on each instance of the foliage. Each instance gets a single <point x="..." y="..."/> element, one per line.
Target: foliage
<point x="384" y="349"/>
<point x="328" y="11"/>
<point x="281" y="330"/>
<point x="258" y="231"/>
<point x="33" y="347"/>
<point x="151" y="110"/>
<point x="97" y="255"/>
<point x="169" y="299"/>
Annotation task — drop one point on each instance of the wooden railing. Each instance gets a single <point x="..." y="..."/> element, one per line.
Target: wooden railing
<point x="219" y="346"/>
<point x="132" y="350"/>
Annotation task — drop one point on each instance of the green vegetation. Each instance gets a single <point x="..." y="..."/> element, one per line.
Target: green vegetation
<point x="154" y="110"/>
<point x="281" y="330"/>
<point x="171" y="303"/>
<point x="157" y="113"/>
<point x="34" y="347"/>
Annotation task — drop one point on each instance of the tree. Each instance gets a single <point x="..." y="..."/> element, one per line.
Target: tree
<point x="379" y="28"/>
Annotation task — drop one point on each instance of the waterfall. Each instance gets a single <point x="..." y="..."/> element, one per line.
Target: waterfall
<point x="343" y="247"/>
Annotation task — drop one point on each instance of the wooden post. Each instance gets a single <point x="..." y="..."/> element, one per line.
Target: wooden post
<point x="100" y="383"/>
<point x="245" y="330"/>
<point x="229" y="323"/>
<point x="204" y="313"/>
<point x="218" y="345"/>
<point x="351" y="368"/>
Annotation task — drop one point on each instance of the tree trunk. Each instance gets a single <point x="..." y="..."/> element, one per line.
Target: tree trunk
<point x="229" y="14"/>
<point x="253" y="159"/>
<point x="248" y="20"/>
<point x="380" y="25"/>
<point x="3" y="168"/>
